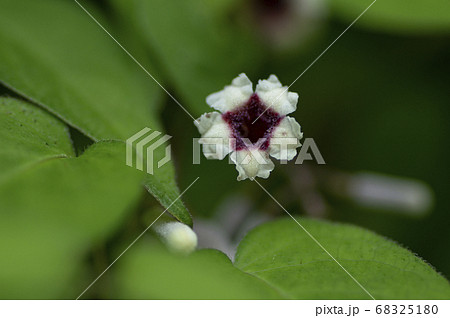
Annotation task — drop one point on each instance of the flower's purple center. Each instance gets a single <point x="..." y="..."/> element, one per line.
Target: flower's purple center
<point x="246" y="122"/>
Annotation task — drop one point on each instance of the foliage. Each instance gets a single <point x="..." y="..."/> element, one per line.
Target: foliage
<point x="86" y="81"/>
<point x="282" y="261"/>
<point x="70" y="97"/>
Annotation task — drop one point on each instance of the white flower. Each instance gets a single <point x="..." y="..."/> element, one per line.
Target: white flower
<point x="251" y="126"/>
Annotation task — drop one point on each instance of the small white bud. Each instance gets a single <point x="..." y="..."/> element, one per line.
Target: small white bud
<point x="178" y="237"/>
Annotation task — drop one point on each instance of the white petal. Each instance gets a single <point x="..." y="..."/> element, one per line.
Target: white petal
<point x="252" y="163"/>
<point x="232" y="96"/>
<point x="276" y="96"/>
<point x="206" y="121"/>
<point x="215" y="135"/>
<point x="285" y="139"/>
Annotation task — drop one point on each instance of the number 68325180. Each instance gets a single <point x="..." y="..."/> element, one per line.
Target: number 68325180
<point x="407" y="309"/>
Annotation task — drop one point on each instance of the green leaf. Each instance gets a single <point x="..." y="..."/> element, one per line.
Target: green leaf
<point x="28" y="136"/>
<point x="403" y="16"/>
<point x="89" y="193"/>
<point x="279" y="260"/>
<point x="150" y="272"/>
<point x="199" y="51"/>
<point x="54" y="207"/>
<point x="283" y="255"/>
<point x="70" y="66"/>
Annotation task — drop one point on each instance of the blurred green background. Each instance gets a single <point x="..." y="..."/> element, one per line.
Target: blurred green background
<point x="377" y="101"/>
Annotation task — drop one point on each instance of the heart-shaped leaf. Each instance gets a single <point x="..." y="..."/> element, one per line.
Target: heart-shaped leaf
<point x="54" y="54"/>
<point x="55" y="207"/>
